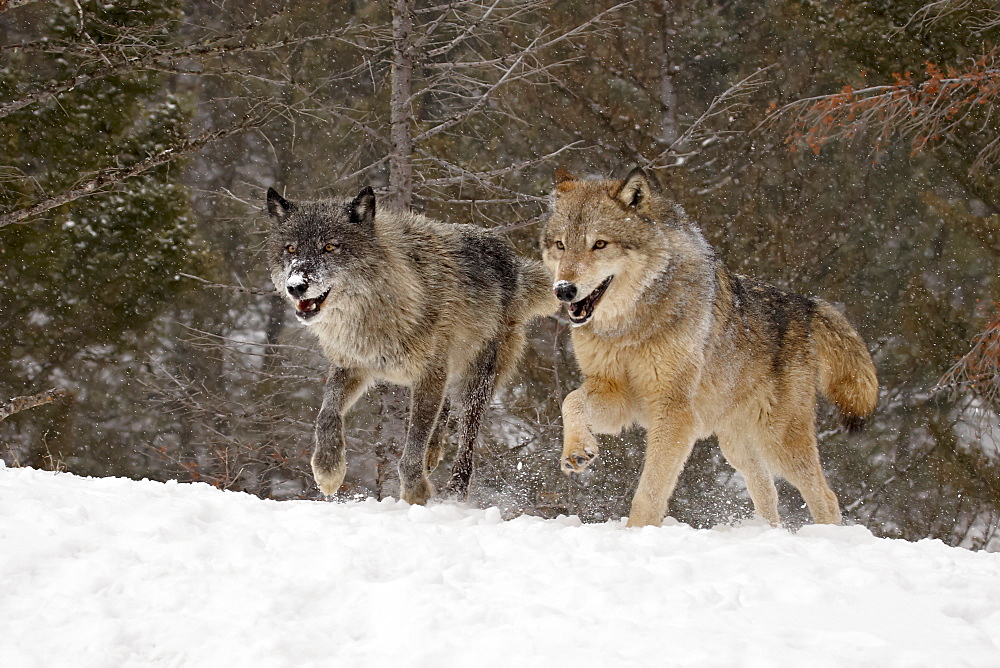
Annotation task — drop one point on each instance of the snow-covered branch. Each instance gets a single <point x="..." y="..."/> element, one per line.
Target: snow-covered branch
<point x="18" y="404"/>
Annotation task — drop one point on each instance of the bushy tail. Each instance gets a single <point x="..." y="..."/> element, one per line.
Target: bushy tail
<point x="536" y="290"/>
<point x="846" y="372"/>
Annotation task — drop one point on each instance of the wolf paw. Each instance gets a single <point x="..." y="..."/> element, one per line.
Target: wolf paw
<point x="646" y="511"/>
<point x="576" y="459"/>
<point x="457" y="489"/>
<point x="417" y="492"/>
<point x="636" y="521"/>
<point x="329" y="476"/>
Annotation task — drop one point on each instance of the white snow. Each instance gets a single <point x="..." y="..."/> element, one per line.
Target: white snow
<point x="113" y="572"/>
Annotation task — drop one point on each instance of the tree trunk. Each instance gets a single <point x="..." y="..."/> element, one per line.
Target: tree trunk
<point x="668" y="93"/>
<point x="401" y="109"/>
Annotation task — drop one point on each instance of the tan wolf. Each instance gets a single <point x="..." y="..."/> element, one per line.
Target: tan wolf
<point x="397" y="297"/>
<point x="669" y="339"/>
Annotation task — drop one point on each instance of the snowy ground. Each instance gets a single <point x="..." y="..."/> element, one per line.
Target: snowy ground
<point x="111" y="572"/>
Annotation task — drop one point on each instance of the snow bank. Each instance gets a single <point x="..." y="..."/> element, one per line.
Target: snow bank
<point x="110" y="572"/>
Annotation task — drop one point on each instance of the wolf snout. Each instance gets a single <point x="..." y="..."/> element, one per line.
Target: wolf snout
<point x="297" y="284"/>
<point x="565" y="291"/>
<point x="296" y="290"/>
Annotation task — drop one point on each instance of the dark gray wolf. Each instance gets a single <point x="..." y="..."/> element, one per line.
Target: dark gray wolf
<point x="394" y="296"/>
<point x="668" y="339"/>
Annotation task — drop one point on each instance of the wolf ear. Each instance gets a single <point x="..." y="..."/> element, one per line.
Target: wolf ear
<point x="564" y="183"/>
<point x="562" y="176"/>
<point x="636" y="188"/>
<point x="363" y="206"/>
<point x="277" y="206"/>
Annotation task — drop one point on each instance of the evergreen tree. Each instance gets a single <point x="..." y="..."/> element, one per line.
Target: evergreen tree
<point x="80" y="286"/>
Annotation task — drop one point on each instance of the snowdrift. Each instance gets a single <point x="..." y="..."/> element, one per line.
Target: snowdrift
<point x="109" y="572"/>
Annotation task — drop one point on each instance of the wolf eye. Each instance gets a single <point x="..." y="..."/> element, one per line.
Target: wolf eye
<point x="599" y="244"/>
<point x="560" y="245"/>
<point x="290" y="248"/>
<point x="329" y="248"/>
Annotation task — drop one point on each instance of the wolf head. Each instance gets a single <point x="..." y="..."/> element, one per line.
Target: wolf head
<point x="605" y="242"/>
<point x="316" y="248"/>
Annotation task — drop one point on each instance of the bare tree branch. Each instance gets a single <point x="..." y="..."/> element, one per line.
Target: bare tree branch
<point x="979" y="369"/>
<point x="538" y="45"/>
<point x="221" y="286"/>
<point x="725" y="104"/>
<point x="471" y="176"/>
<point x="111" y="176"/>
<point x="6" y="5"/>
<point x="154" y="59"/>
<point x="463" y="115"/>
<point x="932" y="13"/>
<point x="463" y="174"/>
<point x="461" y="37"/>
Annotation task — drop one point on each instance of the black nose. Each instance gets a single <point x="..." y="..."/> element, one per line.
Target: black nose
<point x="298" y="289"/>
<point x="565" y="292"/>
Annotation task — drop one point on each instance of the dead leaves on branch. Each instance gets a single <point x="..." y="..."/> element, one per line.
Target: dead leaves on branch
<point x="926" y="111"/>
<point x="979" y="369"/>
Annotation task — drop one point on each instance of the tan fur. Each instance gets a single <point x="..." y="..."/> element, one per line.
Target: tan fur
<point x="682" y="347"/>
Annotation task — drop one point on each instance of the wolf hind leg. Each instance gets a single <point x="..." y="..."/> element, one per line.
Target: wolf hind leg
<point x="329" y="464"/>
<point x="425" y="407"/>
<point x="479" y="392"/>
<point x="796" y="458"/>
<point x="435" y="449"/>
<point x="755" y="472"/>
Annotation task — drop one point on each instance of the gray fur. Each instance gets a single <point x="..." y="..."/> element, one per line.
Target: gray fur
<point x="397" y="297"/>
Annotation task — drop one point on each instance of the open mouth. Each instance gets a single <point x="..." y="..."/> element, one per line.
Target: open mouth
<point x="309" y="308"/>
<point x="580" y="312"/>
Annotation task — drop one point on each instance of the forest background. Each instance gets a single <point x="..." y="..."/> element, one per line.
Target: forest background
<point x="840" y="149"/>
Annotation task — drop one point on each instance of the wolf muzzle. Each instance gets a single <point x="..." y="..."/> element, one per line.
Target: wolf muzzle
<point x="565" y="291"/>
<point x="297" y="285"/>
<point x="581" y="309"/>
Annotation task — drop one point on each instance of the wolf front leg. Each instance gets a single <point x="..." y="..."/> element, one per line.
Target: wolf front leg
<point x="669" y="441"/>
<point x="425" y="407"/>
<point x="598" y="406"/>
<point x="329" y="465"/>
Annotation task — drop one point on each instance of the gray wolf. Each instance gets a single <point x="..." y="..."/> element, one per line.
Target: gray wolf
<point x="397" y="297"/>
<point x="669" y="339"/>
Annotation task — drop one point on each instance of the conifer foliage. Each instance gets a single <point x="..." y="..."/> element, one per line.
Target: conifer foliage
<point x="82" y="280"/>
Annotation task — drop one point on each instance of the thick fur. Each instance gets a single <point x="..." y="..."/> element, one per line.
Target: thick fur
<point x="681" y="346"/>
<point x="394" y="296"/>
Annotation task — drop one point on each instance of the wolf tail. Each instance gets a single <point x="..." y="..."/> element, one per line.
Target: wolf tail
<point x="846" y="372"/>
<point x="536" y="290"/>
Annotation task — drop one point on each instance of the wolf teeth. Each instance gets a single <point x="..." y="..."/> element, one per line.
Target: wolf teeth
<point x="581" y="311"/>
<point x="311" y="305"/>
